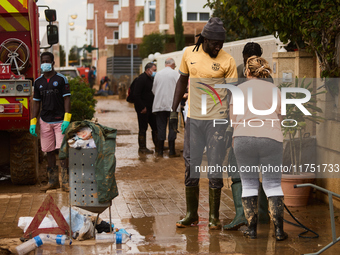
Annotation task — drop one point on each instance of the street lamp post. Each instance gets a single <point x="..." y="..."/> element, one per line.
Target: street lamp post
<point x="73" y="16"/>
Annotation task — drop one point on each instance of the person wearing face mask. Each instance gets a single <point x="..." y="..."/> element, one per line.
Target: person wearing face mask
<point x="143" y="100"/>
<point x="52" y="96"/>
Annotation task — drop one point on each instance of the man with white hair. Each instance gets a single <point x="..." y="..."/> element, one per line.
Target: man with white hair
<point x="163" y="88"/>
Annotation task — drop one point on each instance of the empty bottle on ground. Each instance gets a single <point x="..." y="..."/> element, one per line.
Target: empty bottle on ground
<point x="118" y="238"/>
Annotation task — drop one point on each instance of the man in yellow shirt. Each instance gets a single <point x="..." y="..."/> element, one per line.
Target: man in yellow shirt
<point x="207" y="65"/>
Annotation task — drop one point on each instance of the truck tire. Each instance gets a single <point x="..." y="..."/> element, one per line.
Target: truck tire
<point x="24" y="158"/>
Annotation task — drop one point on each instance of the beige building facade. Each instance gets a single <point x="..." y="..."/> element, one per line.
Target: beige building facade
<point x="114" y="25"/>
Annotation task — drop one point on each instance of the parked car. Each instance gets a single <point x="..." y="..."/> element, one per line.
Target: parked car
<point x="69" y="71"/>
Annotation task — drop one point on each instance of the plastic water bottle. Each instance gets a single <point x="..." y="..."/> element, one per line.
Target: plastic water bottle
<point x="122" y="238"/>
<point x="117" y="238"/>
<point x="55" y="239"/>
<point x="29" y="246"/>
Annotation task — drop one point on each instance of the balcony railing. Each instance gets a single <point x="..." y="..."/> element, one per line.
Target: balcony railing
<point x="110" y="41"/>
<point x="111" y="15"/>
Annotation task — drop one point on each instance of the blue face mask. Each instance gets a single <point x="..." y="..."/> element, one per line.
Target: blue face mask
<point x="153" y="74"/>
<point x="46" y="67"/>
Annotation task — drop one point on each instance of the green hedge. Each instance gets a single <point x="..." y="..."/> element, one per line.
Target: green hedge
<point x="82" y="101"/>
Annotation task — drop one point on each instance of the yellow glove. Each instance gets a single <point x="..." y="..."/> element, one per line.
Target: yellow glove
<point x="66" y="122"/>
<point x="67" y="117"/>
<point x="32" y="126"/>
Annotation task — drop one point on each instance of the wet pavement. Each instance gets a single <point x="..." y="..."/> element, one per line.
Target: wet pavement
<point x="152" y="198"/>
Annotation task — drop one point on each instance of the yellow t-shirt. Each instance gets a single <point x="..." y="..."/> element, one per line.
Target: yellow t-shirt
<point x="204" y="72"/>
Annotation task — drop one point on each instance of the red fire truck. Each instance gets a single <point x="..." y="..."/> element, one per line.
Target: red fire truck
<point x="19" y="67"/>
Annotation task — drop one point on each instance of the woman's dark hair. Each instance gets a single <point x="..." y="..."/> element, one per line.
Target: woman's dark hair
<point x="47" y="53"/>
<point x="252" y="49"/>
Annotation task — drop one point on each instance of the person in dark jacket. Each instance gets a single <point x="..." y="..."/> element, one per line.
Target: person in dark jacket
<point x="92" y="76"/>
<point x="143" y="105"/>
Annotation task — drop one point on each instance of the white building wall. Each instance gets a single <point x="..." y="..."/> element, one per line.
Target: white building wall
<point x="90" y="11"/>
<point x="196" y="6"/>
<point x="139" y="2"/>
<point x="125" y="3"/>
<point x="125" y="29"/>
<point x="120" y="31"/>
<point x="146" y="12"/>
<point x="193" y="6"/>
<point x="139" y="29"/>
<point x="116" y="8"/>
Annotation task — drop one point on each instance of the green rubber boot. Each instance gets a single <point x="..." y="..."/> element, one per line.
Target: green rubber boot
<point x="263" y="207"/>
<point x="214" y="208"/>
<point x="191" y="194"/>
<point x="239" y="219"/>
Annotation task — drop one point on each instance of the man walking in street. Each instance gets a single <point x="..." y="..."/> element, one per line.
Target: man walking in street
<point x="52" y="93"/>
<point x="143" y="100"/>
<point x="92" y="76"/>
<point x="207" y="65"/>
<point x="163" y="86"/>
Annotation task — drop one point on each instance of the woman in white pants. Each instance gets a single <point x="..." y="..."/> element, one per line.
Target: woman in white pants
<point x="257" y="142"/>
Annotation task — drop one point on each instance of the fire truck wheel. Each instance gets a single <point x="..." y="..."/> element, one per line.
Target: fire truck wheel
<point x="24" y="158"/>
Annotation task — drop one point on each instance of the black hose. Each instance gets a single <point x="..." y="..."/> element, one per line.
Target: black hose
<point x="300" y="225"/>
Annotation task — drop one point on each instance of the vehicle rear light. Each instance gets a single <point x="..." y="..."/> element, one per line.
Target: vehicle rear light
<point x="11" y="108"/>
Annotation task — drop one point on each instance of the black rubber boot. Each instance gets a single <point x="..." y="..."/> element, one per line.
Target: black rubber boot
<point x="65" y="179"/>
<point x="276" y="208"/>
<point x="155" y="139"/>
<point x="192" y="195"/>
<point x="250" y="211"/>
<point x="214" y="208"/>
<point x="160" y="148"/>
<point x="53" y="179"/>
<point x="263" y="207"/>
<point x="172" y="151"/>
<point x="240" y="219"/>
<point x="142" y="145"/>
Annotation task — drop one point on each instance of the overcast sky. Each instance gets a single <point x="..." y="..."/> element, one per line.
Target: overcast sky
<point x="65" y="8"/>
